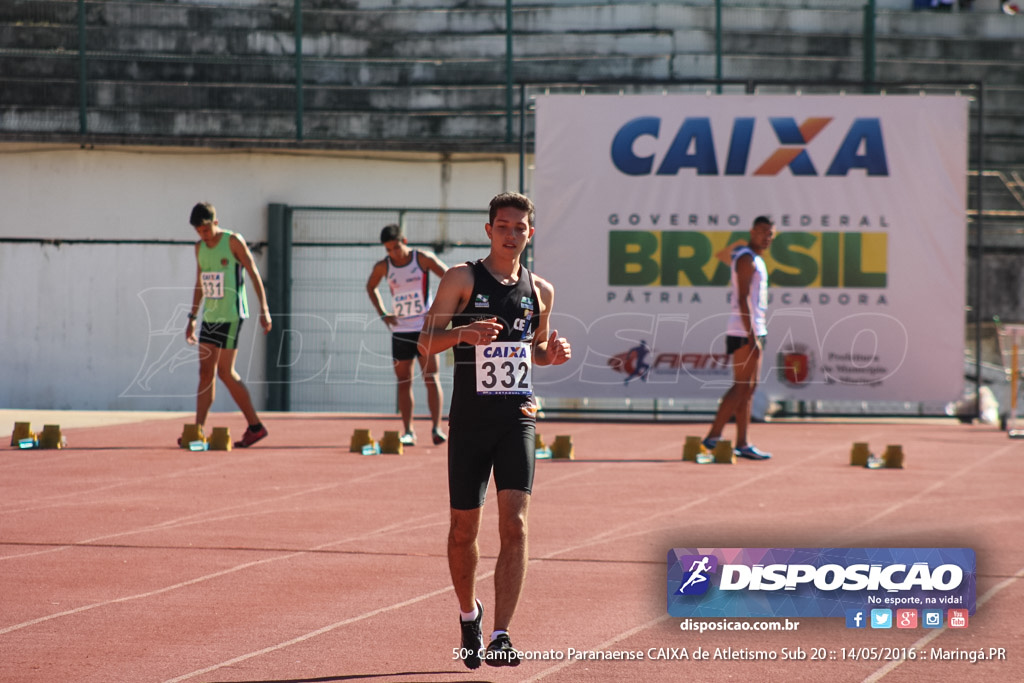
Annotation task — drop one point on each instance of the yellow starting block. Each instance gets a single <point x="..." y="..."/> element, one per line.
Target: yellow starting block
<point x="563" y="449"/>
<point x="52" y="437"/>
<point x="893" y="457"/>
<point x="360" y="438"/>
<point x="390" y="443"/>
<point x="220" y="439"/>
<point x="860" y="454"/>
<point x="723" y="453"/>
<point x="540" y="449"/>
<point x="22" y="430"/>
<point x="692" y="448"/>
<point x="192" y="433"/>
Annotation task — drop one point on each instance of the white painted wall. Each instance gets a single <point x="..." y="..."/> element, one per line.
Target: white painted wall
<point x="101" y="326"/>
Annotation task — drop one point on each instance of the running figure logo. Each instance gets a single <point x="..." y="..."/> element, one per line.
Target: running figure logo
<point x="696" y="580"/>
<point x="634" y="362"/>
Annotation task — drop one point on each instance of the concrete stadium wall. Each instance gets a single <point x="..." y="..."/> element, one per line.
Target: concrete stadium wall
<point x="100" y="326"/>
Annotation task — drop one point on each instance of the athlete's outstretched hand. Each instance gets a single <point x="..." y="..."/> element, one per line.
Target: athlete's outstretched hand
<point x="481" y="332"/>
<point x="559" y="350"/>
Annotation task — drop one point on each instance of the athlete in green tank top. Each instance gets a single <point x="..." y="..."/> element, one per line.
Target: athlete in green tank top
<point x="223" y="280"/>
<point x="221" y="259"/>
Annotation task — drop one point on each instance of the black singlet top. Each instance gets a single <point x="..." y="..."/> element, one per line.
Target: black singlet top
<point x="517" y="308"/>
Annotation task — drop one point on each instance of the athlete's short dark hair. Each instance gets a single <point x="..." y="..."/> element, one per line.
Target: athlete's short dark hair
<point x="390" y="232"/>
<point x="514" y="200"/>
<point x="203" y="212"/>
<point x="763" y="220"/>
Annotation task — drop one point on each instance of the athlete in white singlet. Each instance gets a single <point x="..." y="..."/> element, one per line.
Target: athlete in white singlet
<point x="745" y="336"/>
<point x="408" y="275"/>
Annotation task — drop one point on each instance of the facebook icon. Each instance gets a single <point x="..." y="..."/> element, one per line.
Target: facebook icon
<point x="856" y="618"/>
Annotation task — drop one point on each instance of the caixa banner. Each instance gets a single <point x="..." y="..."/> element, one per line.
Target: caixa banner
<point x="643" y="199"/>
<point x="817" y="582"/>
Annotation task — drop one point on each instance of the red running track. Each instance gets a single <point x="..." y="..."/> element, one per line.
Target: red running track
<point x="123" y="558"/>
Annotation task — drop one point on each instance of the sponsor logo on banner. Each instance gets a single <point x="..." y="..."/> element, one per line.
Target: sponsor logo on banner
<point x="683" y="258"/>
<point x="641" y="360"/>
<point x="692" y="147"/>
<point x="795" y="365"/>
<point x="821" y="582"/>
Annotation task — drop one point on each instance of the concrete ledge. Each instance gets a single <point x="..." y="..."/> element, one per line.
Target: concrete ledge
<point x="196" y="68"/>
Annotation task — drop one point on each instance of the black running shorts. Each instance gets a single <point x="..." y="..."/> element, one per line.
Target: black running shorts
<point x="733" y="343"/>
<point x="221" y="335"/>
<point x="508" y="447"/>
<point x="403" y="345"/>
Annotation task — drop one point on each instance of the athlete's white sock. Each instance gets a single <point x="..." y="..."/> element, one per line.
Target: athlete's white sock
<point x="470" y="616"/>
<point x="498" y="633"/>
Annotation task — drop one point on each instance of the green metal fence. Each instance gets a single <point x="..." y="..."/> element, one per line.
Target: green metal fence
<point x="295" y="72"/>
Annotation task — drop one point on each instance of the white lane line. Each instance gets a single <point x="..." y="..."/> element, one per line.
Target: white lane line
<point x="480" y="577"/>
<point x="207" y="515"/>
<point x="397" y="526"/>
<point x="989" y="594"/>
<point x="600" y="646"/>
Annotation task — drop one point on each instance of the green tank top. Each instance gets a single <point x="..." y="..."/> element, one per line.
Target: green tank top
<point x="223" y="281"/>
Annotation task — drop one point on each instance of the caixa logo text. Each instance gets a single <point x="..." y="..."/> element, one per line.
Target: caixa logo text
<point x="692" y="146"/>
<point x="831" y="577"/>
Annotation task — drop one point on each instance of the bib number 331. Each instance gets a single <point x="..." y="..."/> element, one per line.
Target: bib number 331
<point x="213" y="285"/>
<point x="504" y="368"/>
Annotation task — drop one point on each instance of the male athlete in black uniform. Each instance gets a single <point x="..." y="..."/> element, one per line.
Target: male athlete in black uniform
<point x="498" y="312"/>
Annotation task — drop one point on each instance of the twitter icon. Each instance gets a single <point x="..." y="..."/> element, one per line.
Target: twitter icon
<point x="881" y="618"/>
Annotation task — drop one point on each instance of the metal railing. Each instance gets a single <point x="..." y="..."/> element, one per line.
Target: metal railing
<point x="280" y="73"/>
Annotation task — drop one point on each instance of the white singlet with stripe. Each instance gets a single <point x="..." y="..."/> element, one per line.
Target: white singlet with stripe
<point x="410" y="294"/>
<point x="758" y="297"/>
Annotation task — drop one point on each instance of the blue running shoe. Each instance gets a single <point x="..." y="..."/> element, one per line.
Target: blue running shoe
<point x="710" y="443"/>
<point x="752" y="453"/>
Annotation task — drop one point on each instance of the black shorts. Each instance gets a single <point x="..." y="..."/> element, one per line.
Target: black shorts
<point x="221" y="335"/>
<point x="403" y="345"/>
<point x="509" y="448"/>
<point x="733" y="343"/>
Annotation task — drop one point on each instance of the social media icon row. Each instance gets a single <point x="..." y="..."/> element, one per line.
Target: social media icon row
<point x="905" y="618"/>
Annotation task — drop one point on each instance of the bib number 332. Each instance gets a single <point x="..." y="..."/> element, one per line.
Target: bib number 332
<point x="504" y="368"/>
